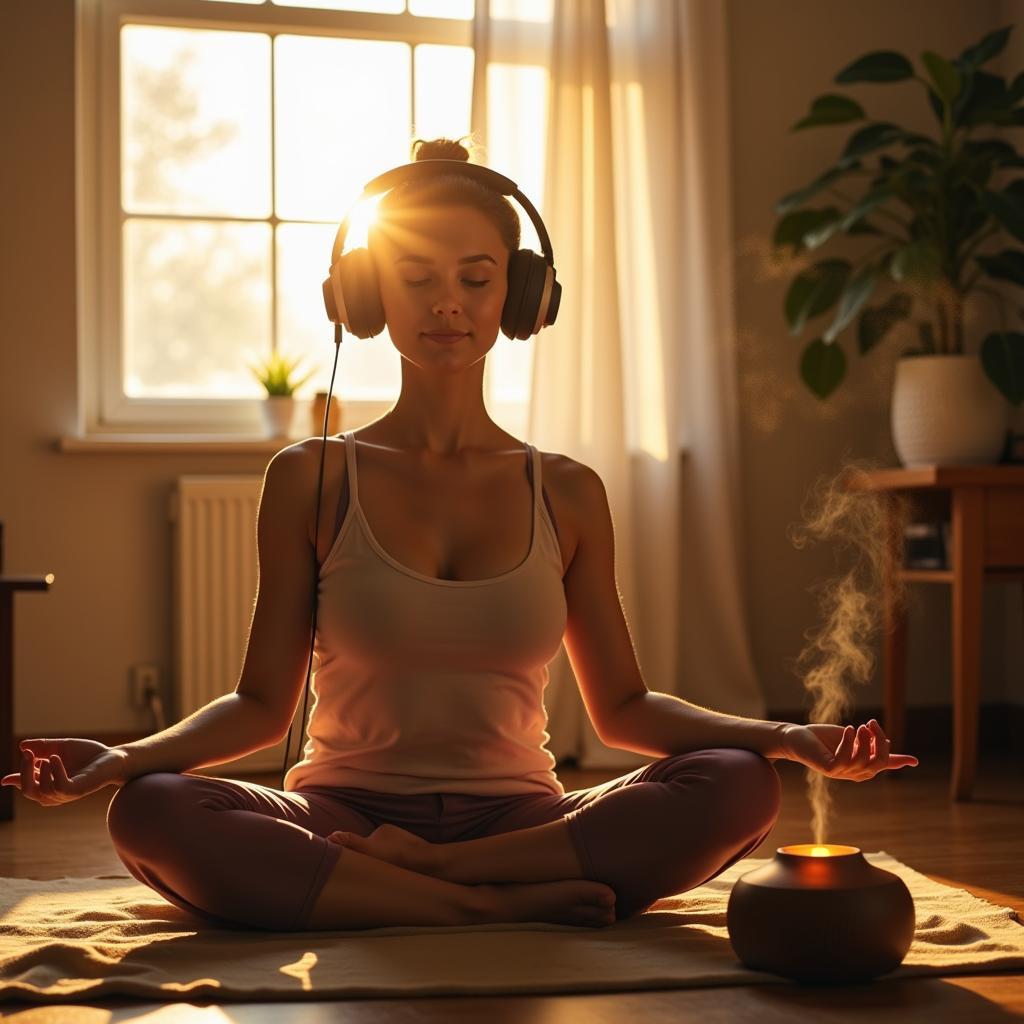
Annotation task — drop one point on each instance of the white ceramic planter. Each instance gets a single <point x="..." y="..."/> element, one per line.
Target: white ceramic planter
<point x="946" y="411"/>
<point x="278" y="413"/>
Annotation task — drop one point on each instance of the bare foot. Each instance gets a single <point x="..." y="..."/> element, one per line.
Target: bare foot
<point x="574" y="901"/>
<point x="577" y="901"/>
<point x="396" y="846"/>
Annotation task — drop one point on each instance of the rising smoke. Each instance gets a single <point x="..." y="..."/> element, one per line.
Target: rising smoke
<point x="845" y="512"/>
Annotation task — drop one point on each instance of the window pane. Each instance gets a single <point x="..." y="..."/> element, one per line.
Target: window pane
<point x="368" y="368"/>
<point x="372" y="6"/>
<point x="444" y="91"/>
<point x="196" y="308"/>
<point x="342" y="117"/>
<point x="522" y="10"/>
<point x="455" y="9"/>
<point x="195" y="121"/>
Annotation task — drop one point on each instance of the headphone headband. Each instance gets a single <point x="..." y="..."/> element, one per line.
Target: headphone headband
<point x="351" y="290"/>
<point x="431" y="167"/>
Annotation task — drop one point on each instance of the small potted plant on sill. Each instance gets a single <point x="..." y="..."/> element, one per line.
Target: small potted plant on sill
<point x="947" y="406"/>
<point x="275" y="374"/>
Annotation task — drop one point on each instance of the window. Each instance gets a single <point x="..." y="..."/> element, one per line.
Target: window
<point x="221" y="144"/>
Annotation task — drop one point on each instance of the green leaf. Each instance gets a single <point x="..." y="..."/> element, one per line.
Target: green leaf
<point x="1002" y="357"/>
<point x="916" y="261"/>
<point x="813" y="291"/>
<point x="1007" y="265"/>
<point x="855" y="294"/>
<point x="877" y="66"/>
<point x="987" y="100"/>
<point x="790" y="231"/>
<point x="947" y="79"/>
<point x="822" y="367"/>
<point x="877" y="321"/>
<point x="865" y="205"/>
<point x="1007" y="207"/>
<point x="832" y="108"/>
<point x="868" y="139"/>
<point x="794" y="199"/>
<point x="989" y="47"/>
<point x="1016" y="90"/>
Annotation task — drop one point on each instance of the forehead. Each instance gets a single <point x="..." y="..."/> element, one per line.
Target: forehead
<point x="441" y="233"/>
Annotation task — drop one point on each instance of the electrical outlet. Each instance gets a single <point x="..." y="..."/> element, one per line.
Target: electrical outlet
<point x="145" y="679"/>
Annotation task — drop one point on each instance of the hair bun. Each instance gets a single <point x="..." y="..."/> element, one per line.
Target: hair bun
<point x="439" y="149"/>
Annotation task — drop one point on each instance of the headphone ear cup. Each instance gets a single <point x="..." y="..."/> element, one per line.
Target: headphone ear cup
<point x="527" y="273"/>
<point x="358" y="276"/>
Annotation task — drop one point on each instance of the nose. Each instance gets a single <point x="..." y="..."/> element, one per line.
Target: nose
<point x="449" y="307"/>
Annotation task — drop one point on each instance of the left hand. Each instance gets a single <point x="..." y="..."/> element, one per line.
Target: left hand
<point x="842" y="752"/>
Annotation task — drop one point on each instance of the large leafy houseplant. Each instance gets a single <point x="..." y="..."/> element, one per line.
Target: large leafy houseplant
<point x="930" y="207"/>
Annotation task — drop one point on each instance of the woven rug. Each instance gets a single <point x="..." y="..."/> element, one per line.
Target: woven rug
<point x="78" y="939"/>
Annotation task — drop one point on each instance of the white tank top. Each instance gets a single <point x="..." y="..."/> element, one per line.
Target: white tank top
<point x="424" y="685"/>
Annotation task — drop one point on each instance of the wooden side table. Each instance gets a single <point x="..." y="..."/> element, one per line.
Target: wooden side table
<point x="8" y="586"/>
<point x="986" y="513"/>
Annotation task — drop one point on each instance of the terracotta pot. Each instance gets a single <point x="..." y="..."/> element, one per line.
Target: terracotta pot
<point x="316" y="414"/>
<point x="832" y="918"/>
<point x="945" y="411"/>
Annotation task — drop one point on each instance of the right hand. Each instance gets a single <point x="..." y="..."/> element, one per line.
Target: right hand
<point x="59" y="771"/>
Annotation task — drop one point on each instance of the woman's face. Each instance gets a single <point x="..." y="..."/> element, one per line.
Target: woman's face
<point x="446" y="272"/>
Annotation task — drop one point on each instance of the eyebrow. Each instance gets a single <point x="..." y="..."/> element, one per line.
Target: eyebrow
<point x="416" y="258"/>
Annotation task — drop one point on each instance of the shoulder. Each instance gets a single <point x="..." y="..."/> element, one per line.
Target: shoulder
<point x="579" y="495"/>
<point x="577" y="482"/>
<point x="295" y="470"/>
<point x="304" y="456"/>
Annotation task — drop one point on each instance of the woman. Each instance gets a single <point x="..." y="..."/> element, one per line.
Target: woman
<point x="426" y="795"/>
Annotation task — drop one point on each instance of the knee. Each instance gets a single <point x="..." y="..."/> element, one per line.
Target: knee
<point x="755" y="783"/>
<point x="139" y="806"/>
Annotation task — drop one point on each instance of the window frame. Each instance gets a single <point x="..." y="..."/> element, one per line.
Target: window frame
<point x="103" y="408"/>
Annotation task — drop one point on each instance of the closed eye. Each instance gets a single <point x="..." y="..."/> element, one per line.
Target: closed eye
<point x="472" y="284"/>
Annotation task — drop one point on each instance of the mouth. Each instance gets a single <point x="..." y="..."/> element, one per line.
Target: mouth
<point x="445" y="335"/>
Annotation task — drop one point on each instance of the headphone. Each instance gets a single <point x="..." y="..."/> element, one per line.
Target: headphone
<point x="352" y="299"/>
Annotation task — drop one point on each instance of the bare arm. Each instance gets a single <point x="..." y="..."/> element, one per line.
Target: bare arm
<point x="260" y="710"/>
<point x="227" y="728"/>
<point x="661" y="725"/>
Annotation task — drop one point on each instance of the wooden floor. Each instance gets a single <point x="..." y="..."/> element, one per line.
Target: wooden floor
<point x="977" y="845"/>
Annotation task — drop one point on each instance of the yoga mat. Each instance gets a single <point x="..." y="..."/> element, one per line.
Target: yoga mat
<point x="77" y="939"/>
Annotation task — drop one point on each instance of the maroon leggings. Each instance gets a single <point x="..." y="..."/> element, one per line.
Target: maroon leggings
<point x="241" y="854"/>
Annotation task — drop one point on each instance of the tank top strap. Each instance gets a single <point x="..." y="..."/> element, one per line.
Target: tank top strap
<point x="350" y="465"/>
<point x="535" y="474"/>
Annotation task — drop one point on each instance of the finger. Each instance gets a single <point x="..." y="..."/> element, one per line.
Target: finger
<point x="29" y="786"/>
<point x="13" y="779"/>
<point x="46" y="778"/>
<point x="880" y="759"/>
<point x="845" y="748"/>
<point x="903" y="761"/>
<point x="863" y="755"/>
<point x="60" y="775"/>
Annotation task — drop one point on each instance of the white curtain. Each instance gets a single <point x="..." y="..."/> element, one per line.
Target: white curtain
<point x="637" y="378"/>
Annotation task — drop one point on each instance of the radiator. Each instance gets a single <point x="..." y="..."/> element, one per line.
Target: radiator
<point x="215" y="570"/>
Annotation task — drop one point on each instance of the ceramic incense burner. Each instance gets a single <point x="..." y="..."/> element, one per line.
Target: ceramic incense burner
<point x="820" y="913"/>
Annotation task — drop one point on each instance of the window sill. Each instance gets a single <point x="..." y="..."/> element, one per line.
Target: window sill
<point x="176" y="444"/>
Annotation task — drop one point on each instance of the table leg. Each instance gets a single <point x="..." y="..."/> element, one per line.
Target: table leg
<point x="894" y="635"/>
<point x="968" y="580"/>
<point x="8" y="761"/>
